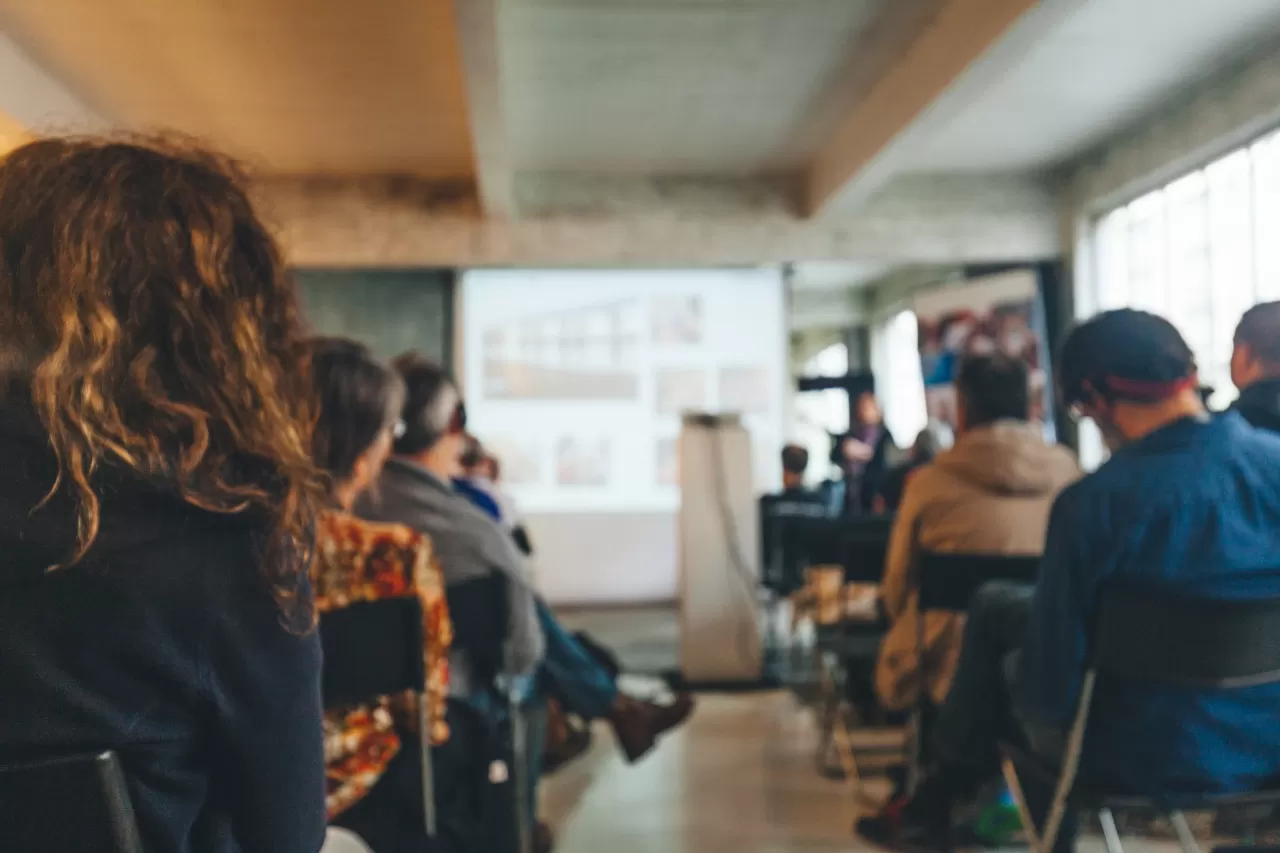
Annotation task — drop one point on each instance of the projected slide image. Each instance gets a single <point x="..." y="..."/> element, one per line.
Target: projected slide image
<point x="668" y="467"/>
<point x="680" y="389"/>
<point x="583" y="462"/>
<point x="587" y="353"/>
<point x="745" y="389"/>
<point x="521" y="462"/>
<point x="677" y="320"/>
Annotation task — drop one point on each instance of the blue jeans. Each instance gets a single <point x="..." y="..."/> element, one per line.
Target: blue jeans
<point x="576" y="678"/>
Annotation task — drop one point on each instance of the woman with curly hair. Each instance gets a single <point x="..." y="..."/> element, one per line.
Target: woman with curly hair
<point x="158" y="496"/>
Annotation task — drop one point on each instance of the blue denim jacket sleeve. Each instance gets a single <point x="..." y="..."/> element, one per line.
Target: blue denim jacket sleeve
<point x="1051" y="667"/>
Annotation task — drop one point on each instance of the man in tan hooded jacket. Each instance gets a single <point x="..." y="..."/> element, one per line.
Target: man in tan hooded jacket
<point x="989" y="494"/>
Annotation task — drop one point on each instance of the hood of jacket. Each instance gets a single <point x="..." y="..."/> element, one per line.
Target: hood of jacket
<point x="1009" y="458"/>
<point x="36" y="534"/>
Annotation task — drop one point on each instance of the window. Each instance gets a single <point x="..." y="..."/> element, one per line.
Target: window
<point x="1199" y="251"/>
<point x="895" y="355"/>
<point x="822" y="414"/>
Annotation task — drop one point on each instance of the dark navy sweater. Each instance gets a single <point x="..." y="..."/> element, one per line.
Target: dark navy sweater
<point x="165" y="645"/>
<point x="1194" y="507"/>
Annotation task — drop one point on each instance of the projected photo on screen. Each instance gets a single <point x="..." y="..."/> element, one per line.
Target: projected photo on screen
<point x="745" y="389"/>
<point x="586" y="353"/>
<point x="582" y="462"/>
<point x="577" y="379"/>
<point x="677" y="319"/>
<point x="680" y="389"/>
<point x="520" y="460"/>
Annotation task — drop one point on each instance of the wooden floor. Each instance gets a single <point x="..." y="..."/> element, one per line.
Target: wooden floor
<point x="740" y="777"/>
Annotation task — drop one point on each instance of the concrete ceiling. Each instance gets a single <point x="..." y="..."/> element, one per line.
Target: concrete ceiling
<point x="1106" y="65"/>
<point x="868" y="133"/>
<point x="688" y="87"/>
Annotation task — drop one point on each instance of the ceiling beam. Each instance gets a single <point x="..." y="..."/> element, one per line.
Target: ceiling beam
<point x="477" y="27"/>
<point x="965" y="47"/>
<point x="372" y="223"/>
<point x="34" y="101"/>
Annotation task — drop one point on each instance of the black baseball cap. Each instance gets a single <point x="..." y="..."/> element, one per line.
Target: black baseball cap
<point x="1127" y="355"/>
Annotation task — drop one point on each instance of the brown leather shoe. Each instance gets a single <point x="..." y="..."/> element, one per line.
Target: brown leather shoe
<point x="638" y="724"/>
<point x="566" y="739"/>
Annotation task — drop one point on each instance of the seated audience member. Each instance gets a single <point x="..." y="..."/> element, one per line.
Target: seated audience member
<point x="928" y="444"/>
<point x="795" y="463"/>
<point x="1187" y="501"/>
<point x="158" y="499"/>
<point x="371" y="751"/>
<point x="785" y="543"/>
<point x="415" y="490"/>
<point x="989" y="494"/>
<point x="481" y="484"/>
<point x="1255" y="366"/>
<point x="468" y="481"/>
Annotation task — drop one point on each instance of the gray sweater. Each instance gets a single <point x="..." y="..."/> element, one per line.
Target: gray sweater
<point x="468" y="545"/>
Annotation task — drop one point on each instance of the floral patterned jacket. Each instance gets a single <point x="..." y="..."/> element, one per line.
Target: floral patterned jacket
<point x="356" y="561"/>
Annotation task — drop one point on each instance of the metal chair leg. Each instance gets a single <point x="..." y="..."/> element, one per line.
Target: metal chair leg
<point x="1186" y="838"/>
<point x="428" y="775"/>
<point x="1109" y="832"/>
<point x="1020" y="800"/>
<point x="520" y="773"/>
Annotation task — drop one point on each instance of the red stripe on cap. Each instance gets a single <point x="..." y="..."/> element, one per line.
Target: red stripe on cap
<point x="1148" y="390"/>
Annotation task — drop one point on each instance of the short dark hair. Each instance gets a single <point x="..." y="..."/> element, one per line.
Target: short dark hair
<point x="795" y="459"/>
<point x="1260" y="329"/>
<point x="358" y="398"/>
<point x="432" y="405"/>
<point x="993" y="387"/>
<point x="1124" y="354"/>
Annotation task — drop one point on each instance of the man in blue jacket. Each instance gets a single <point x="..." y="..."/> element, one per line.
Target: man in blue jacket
<point x="1186" y="501"/>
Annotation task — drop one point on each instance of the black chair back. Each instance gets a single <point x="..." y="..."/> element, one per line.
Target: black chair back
<point x="479" y="611"/>
<point x="372" y="648"/>
<point x="76" y="804"/>
<point x="1150" y="633"/>
<point x="948" y="581"/>
<point x="864" y="547"/>
<point x="785" y="534"/>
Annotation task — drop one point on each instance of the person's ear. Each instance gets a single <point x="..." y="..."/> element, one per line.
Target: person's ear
<point x="1095" y="404"/>
<point x="1244" y="365"/>
<point x="361" y="471"/>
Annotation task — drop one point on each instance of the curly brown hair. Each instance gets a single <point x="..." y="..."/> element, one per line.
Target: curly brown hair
<point x="146" y="313"/>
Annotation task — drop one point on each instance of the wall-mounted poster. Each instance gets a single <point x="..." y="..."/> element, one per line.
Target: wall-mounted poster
<point x="1000" y="312"/>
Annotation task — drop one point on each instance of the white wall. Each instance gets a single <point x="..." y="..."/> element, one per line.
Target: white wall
<point x="592" y="558"/>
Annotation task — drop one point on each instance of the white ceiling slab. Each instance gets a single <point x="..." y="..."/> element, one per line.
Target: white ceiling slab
<point x="672" y="86"/>
<point x="1102" y="68"/>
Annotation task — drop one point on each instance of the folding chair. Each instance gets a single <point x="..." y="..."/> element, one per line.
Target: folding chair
<point x="78" y="803"/>
<point x="860" y="547"/>
<point x="1156" y="636"/>
<point x="377" y="648"/>
<point x="946" y="583"/>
